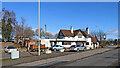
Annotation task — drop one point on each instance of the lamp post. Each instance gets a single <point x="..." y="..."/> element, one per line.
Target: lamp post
<point x="39" y="27"/>
<point x="104" y="38"/>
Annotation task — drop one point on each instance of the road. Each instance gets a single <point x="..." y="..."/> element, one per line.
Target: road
<point x="109" y="58"/>
<point x="97" y="57"/>
<point x="106" y="59"/>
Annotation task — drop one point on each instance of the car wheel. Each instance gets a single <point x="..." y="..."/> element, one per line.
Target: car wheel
<point x="55" y="49"/>
<point x="5" y="51"/>
<point x="78" y="50"/>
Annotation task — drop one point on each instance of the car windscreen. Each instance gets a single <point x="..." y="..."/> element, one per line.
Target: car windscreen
<point x="10" y="47"/>
<point x="55" y="45"/>
<point x="73" y="46"/>
<point x="78" y="46"/>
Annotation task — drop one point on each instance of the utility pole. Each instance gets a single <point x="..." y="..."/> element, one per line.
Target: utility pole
<point x="39" y="27"/>
<point x="45" y="31"/>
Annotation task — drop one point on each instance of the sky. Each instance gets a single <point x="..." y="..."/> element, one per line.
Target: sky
<point x="61" y="15"/>
<point x="60" y="0"/>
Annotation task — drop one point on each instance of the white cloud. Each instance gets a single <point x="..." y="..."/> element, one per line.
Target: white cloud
<point x="113" y="32"/>
<point x="53" y="33"/>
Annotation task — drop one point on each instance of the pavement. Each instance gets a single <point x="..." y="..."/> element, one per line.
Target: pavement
<point x="22" y="54"/>
<point x="67" y="58"/>
<point x="32" y="58"/>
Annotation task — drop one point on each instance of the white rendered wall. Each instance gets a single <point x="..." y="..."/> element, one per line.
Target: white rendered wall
<point x="73" y="43"/>
<point x="46" y="42"/>
<point x="88" y="40"/>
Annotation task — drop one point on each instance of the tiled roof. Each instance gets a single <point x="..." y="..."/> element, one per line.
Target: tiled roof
<point x="67" y="33"/>
<point x="94" y="39"/>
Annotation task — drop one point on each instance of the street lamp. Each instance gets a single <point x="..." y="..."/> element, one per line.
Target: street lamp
<point x="104" y="38"/>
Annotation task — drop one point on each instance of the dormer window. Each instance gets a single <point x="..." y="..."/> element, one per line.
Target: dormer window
<point x="68" y="36"/>
<point x="87" y="37"/>
<point x="79" y="36"/>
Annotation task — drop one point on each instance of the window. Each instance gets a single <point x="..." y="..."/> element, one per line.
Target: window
<point x="79" y="36"/>
<point x="73" y="46"/>
<point x="87" y="37"/>
<point x="87" y="43"/>
<point x="78" y="45"/>
<point x="66" y="43"/>
<point x="10" y="47"/>
<point x="57" y="46"/>
<point x="68" y="36"/>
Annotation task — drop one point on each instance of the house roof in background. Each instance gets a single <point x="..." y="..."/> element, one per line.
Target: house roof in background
<point x="94" y="39"/>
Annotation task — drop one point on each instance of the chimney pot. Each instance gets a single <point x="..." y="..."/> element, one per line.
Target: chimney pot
<point x="71" y="28"/>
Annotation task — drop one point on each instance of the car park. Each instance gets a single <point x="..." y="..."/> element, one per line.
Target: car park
<point x="9" y="49"/>
<point x="57" y="47"/>
<point x="77" y="48"/>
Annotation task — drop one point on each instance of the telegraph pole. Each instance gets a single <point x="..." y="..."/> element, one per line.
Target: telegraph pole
<point x="39" y="27"/>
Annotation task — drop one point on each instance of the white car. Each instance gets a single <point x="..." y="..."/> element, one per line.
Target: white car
<point x="9" y="49"/>
<point x="77" y="48"/>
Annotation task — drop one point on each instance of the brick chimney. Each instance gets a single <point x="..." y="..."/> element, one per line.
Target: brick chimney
<point x="87" y="30"/>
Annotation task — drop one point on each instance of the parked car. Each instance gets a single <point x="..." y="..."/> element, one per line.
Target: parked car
<point x="9" y="49"/>
<point x="111" y="44"/>
<point x="77" y="48"/>
<point x="57" y="47"/>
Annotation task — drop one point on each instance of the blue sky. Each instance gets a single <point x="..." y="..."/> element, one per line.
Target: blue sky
<point x="62" y="15"/>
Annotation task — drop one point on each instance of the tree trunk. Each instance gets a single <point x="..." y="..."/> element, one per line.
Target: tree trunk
<point x="5" y="40"/>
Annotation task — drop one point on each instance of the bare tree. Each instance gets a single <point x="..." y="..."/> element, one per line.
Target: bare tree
<point x="28" y="32"/>
<point x="23" y="30"/>
<point x="55" y="36"/>
<point x="100" y="34"/>
<point x="22" y="25"/>
<point x="42" y="33"/>
<point x="46" y="35"/>
<point x="94" y="33"/>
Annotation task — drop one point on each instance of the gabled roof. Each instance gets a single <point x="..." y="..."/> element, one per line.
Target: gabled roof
<point x="67" y="33"/>
<point x="86" y="34"/>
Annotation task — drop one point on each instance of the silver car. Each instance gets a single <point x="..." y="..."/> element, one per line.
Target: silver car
<point x="9" y="49"/>
<point x="77" y="48"/>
